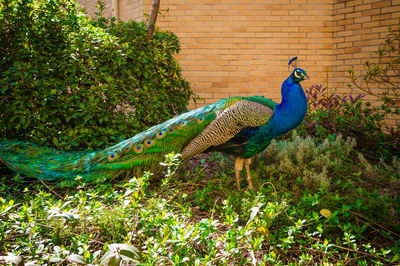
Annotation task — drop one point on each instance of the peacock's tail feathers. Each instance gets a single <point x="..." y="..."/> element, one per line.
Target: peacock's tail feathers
<point x="41" y="162"/>
<point x="144" y="149"/>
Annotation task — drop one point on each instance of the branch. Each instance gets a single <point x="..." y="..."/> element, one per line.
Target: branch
<point x="381" y="226"/>
<point x="368" y="90"/>
<point x="52" y="191"/>
<point x="153" y="17"/>
<point x="385" y="80"/>
<point x="348" y="249"/>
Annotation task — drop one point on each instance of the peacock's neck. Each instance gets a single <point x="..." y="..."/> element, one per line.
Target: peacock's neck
<point x="291" y="111"/>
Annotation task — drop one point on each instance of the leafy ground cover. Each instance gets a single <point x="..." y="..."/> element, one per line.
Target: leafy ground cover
<point x="314" y="203"/>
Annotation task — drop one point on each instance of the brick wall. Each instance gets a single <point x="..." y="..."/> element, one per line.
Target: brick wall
<point x="129" y="9"/>
<point x="360" y="29"/>
<point x="241" y="47"/>
<point x="90" y="7"/>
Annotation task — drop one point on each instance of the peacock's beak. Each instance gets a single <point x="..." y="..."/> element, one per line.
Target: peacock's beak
<point x="307" y="76"/>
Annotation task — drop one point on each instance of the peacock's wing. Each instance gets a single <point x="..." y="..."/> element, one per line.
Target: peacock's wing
<point x="228" y="124"/>
<point x="238" y="145"/>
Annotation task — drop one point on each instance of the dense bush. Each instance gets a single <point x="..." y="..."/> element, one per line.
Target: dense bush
<point x="75" y="82"/>
<point x="294" y="157"/>
<point x="330" y="114"/>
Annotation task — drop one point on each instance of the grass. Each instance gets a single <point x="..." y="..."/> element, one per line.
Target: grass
<point x="314" y="203"/>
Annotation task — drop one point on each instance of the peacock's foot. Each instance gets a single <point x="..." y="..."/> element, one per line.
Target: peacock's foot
<point x="247" y="163"/>
<point x="239" y="167"/>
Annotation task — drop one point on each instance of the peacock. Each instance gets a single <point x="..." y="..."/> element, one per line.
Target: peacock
<point x="240" y="126"/>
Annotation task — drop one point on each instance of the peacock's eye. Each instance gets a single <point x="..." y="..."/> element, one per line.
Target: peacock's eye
<point x="112" y="156"/>
<point x="160" y="134"/>
<point x="149" y="143"/>
<point x="138" y="149"/>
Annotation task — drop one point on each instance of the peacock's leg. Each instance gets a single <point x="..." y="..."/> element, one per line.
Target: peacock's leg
<point x="238" y="168"/>
<point x="247" y="163"/>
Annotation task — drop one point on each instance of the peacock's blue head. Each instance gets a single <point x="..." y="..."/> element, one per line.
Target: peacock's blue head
<point x="299" y="75"/>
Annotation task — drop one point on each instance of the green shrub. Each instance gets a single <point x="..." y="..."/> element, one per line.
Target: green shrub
<point x="330" y="114"/>
<point x="75" y="82"/>
<point x="384" y="74"/>
<point x="306" y="159"/>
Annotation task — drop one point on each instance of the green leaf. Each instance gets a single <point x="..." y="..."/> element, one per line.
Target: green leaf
<point x="395" y="258"/>
<point x="78" y="259"/>
<point x="111" y="258"/>
<point x="12" y="259"/>
<point x="118" y="252"/>
<point x="253" y="214"/>
<point x="55" y="259"/>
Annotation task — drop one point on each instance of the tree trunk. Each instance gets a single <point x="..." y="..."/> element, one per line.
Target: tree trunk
<point x="153" y="17"/>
